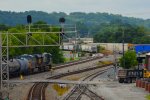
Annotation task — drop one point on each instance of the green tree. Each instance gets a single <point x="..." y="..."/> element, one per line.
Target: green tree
<point x="129" y="60"/>
<point x="3" y="27"/>
<point x="113" y="32"/>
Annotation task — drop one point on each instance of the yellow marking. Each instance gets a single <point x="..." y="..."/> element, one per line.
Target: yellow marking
<point x="146" y="73"/>
<point x="21" y="77"/>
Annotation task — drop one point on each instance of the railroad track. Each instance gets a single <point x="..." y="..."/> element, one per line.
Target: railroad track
<point x="80" y="90"/>
<point x="76" y="62"/>
<point x="37" y="91"/>
<point x="83" y="90"/>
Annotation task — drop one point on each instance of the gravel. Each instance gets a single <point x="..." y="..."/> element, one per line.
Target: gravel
<point x="117" y="91"/>
<point x="112" y="90"/>
<point x="20" y="91"/>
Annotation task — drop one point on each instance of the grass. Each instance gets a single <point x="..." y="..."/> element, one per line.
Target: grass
<point x="147" y="97"/>
<point x="60" y="90"/>
<point x="104" y="62"/>
<point x="106" y="52"/>
<point x="70" y="59"/>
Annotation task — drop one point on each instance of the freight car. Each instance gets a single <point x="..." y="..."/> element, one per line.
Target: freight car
<point x="147" y="66"/>
<point x="147" y="60"/>
<point x="28" y="64"/>
<point x="129" y="75"/>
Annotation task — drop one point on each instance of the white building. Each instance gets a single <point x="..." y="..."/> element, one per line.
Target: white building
<point x="81" y="40"/>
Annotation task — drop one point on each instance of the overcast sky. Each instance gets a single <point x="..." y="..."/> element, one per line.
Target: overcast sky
<point x="133" y="8"/>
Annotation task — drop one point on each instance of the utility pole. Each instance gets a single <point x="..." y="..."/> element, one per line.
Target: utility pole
<point x="115" y="58"/>
<point x="1" y="57"/>
<point x="123" y="46"/>
<point x="76" y="40"/>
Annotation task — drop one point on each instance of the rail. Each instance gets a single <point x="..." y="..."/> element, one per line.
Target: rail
<point x="37" y="91"/>
<point x="78" y="90"/>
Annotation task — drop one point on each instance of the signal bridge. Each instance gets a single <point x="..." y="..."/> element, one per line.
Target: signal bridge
<point x="29" y="39"/>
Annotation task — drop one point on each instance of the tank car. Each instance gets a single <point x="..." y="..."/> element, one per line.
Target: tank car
<point x="17" y="67"/>
<point x="31" y="62"/>
<point x="14" y="67"/>
<point x="28" y="64"/>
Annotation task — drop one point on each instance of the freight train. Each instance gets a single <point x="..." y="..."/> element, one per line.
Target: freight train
<point x="28" y="64"/>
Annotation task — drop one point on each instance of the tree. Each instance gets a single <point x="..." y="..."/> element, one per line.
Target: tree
<point x="129" y="60"/>
<point x="57" y="54"/>
<point x="3" y="27"/>
<point x="112" y="32"/>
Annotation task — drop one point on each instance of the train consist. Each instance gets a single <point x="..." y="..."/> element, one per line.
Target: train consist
<point x="28" y="64"/>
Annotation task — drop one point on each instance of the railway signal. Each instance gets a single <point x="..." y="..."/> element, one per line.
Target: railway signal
<point x="29" y="19"/>
<point x="62" y="20"/>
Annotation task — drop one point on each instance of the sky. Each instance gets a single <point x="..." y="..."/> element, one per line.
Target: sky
<point x="131" y="8"/>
